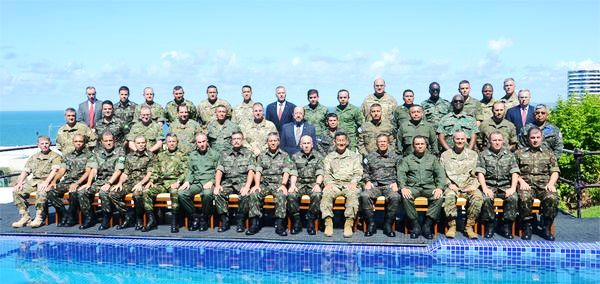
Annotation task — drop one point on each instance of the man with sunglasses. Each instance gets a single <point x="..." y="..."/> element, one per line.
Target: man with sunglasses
<point x="455" y="121"/>
<point x="435" y="107"/>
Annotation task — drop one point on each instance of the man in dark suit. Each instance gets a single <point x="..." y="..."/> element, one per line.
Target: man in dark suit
<point x="521" y="114"/>
<point x="90" y="111"/>
<point x="281" y="111"/>
<point x="291" y="132"/>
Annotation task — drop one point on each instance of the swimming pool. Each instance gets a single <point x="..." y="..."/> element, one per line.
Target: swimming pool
<point x="52" y="259"/>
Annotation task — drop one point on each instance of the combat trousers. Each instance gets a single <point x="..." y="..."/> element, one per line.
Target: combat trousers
<point x="87" y="196"/>
<point x="435" y="205"/>
<point x="55" y="196"/>
<point x="510" y="206"/>
<point x="293" y="199"/>
<point x="20" y="197"/>
<point x="330" y="195"/>
<point x="392" y="199"/>
<point x="549" y="206"/>
<point x="255" y="200"/>
<point x="222" y="199"/>
<point x="162" y="186"/>
<point x="474" y="201"/>
<point x="114" y="199"/>
<point x="186" y="199"/>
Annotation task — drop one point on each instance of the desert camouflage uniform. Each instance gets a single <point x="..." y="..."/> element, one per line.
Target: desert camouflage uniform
<point x="460" y="171"/>
<point x="39" y="167"/>
<point x="186" y="134"/>
<point x="235" y="166"/>
<point x="158" y="112"/>
<point x="64" y="138"/>
<point x="381" y="170"/>
<point x="255" y="134"/>
<point x="339" y="170"/>
<point x="316" y="117"/>
<point x="350" y="119"/>
<point x="388" y="106"/>
<point x="510" y="102"/>
<point x="498" y="169"/>
<point x="206" y="111"/>
<point x="367" y="136"/>
<point x="272" y="166"/>
<point x="219" y="135"/>
<point x="307" y="168"/>
<point x="172" y="115"/>
<point x="243" y="113"/>
<point x="552" y="138"/>
<point x="169" y="167"/>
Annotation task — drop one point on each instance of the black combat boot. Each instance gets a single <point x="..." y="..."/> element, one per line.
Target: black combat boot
<point x="527" y="230"/>
<point x="428" y="228"/>
<point x="128" y="222"/>
<point x="105" y="218"/>
<point x="415" y="230"/>
<point x="139" y="214"/>
<point x="280" y="227"/>
<point x="224" y="223"/>
<point x="88" y="220"/>
<point x="195" y="222"/>
<point x="152" y="223"/>
<point x="64" y="217"/>
<point x="489" y="229"/>
<point x="547" y="232"/>
<point x="310" y="223"/>
<point x="139" y="223"/>
<point x="239" y="223"/>
<point x="203" y="222"/>
<point x="507" y="229"/>
<point x="174" y="223"/>
<point x="254" y="226"/>
<point x="297" y="224"/>
<point x="371" y="228"/>
<point x="387" y="226"/>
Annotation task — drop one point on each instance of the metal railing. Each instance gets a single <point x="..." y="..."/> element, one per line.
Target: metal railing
<point x="578" y="183"/>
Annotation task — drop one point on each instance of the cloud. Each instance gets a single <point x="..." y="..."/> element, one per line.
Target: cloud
<point x="497" y="45"/>
<point x="387" y="58"/>
<point x="175" y="55"/>
<point x="587" y="64"/>
<point x="296" y="61"/>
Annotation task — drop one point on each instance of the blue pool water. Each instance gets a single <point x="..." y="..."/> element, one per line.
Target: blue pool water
<point x="30" y="259"/>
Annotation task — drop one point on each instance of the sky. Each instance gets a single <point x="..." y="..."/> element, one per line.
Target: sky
<point x="51" y="50"/>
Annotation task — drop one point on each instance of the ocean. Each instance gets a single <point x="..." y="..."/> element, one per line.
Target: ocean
<point x="18" y="128"/>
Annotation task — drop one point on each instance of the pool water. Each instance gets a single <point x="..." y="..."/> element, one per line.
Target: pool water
<point x="29" y="259"/>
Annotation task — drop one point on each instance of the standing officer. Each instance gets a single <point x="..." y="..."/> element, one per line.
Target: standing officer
<point x="326" y="141"/>
<point x="151" y="130"/>
<point x="349" y="117"/>
<point x="185" y="128"/>
<point x="370" y="129"/>
<point x="387" y="102"/>
<point x="435" y="107"/>
<point x="497" y="123"/>
<point x="416" y="126"/>
<point x="220" y="130"/>
<point x="314" y="112"/>
<point x="455" y="121"/>
<point x="172" y="107"/>
<point x="125" y="109"/>
<point x="257" y="130"/>
<point x="64" y="138"/>
<point x="552" y="136"/>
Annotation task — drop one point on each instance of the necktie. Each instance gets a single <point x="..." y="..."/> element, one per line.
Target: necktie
<point x="91" y="115"/>
<point x="524" y="115"/>
<point x="280" y="111"/>
<point x="298" y="134"/>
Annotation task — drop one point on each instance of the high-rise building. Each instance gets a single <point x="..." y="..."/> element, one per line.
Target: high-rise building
<point x="581" y="81"/>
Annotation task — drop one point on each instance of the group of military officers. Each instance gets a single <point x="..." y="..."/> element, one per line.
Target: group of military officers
<point x="439" y="150"/>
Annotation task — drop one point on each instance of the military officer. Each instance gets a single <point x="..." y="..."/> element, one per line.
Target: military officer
<point x="350" y="118"/>
<point x="111" y="123"/>
<point x="220" y="130"/>
<point x="326" y="141"/>
<point x="256" y="131"/>
<point x="64" y="138"/>
<point x="471" y="107"/>
<point x="185" y="128"/>
<point x="314" y="112"/>
<point x="243" y="113"/>
<point x="454" y="121"/>
<point x="402" y="112"/>
<point x="158" y="112"/>
<point x="416" y="126"/>
<point x="497" y="123"/>
<point x="151" y="130"/>
<point x="510" y="99"/>
<point x="367" y="133"/>
<point x="172" y="107"/>
<point x="207" y="108"/>
<point x="435" y="107"/>
<point x="387" y="102"/>
<point x="552" y="136"/>
<point x="125" y="109"/>
<point x="487" y="101"/>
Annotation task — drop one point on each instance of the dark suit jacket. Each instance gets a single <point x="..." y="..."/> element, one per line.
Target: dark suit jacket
<point x="83" y="112"/>
<point x="288" y="138"/>
<point x="514" y="115"/>
<point x="286" y="116"/>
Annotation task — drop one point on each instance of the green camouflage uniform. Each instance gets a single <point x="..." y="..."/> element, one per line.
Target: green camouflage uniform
<point x="367" y="136"/>
<point x="39" y="167"/>
<point x="326" y="142"/>
<point x="200" y="170"/>
<point x="536" y="167"/>
<point x="460" y="171"/>
<point x="498" y="169"/>
<point x="388" y="106"/>
<point x="552" y="138"/>
<point x="510" y="102"/>
<point x="350" y="119"/>
<point x="316" y="117"/>
<point x="339" y="170"/>
<point x="235" y="166"/>
<point x="105" y="163"/>
<point x="186" y="134"/>
<point x="206" y="111"/>
<point x="255" y="134"/>
<point x="137" y="166"/>
<point x="64" y="138"/>
<point x="271" y="166"/>
<point x="408" y="130"/>
<point x="401" y="115"/>
<point x="452" y="122"/>
<point x="219" y="135"/>
<point x="158" y="112"/>
<point x="171" y="113"/>
<point x="487" y="109"/>
<point x="473" y="108"/>
<point x="243" y="113"/>
<point x="306" y="168"/>
<point x="125" y="112"/>
<point x="169" y="167"/>
<point x="421" y="176"/>
<point x="380" y="169"/>
<point x="75" y="164"/>
<point x="434" y="111"/>
<point x="114" y="126"/>
<point x="507" y="128"/>
<point x="152" y="132"/>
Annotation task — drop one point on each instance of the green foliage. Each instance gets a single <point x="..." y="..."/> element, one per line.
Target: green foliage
<point x="579" y="122"/>
<point x="592" y="212"/>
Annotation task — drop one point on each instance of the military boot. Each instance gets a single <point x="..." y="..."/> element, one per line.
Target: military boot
<point x="415" y="229"/>
<point x="254" y="226"/>
<point x="280" y="227"/>
<point x="371" y="228"/>
<point x="239" y="223"/>
<point x="139" y="223"/>
<point x="224" y="223"/>
<point x="451" y="233"/>
<point x="128" y="222"/>
<point x="105" y="219"/>
<point x="195" y="222"/>
<point x="63" y="217"/>
<point x="507" y="229"/>
<point x="72" y="211"/>
<point x="297" y="224"/>
<point x="547" y="232"/>
<point x="527" y="230"/>
<point x="24" y="219"/>
<point x="203" y="224"/>
<point x="152" y="223"/>
<point x="310" y="223"/>
<point x="348" y="227"/>
<point x="39" y="219"/>
<point x="427" y="228"/>
<point x="489" y="229"/>
<point x="328" y="227"/>
<point x="387" y="226"/>
<point x="88" y="220"/>
<point x="174" y="223"/>
<point x="469" y="229"/>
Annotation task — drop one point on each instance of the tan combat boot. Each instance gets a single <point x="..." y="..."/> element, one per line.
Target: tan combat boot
<point x="451" y="233"/>
<point x="349" y="227"/>
<point x="37" y="221"/>
<point x="24" y="219"/>
<point x="469" y="229"/>
<point x="328" y="227"/>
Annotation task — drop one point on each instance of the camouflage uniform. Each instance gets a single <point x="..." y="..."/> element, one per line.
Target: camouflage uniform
<point x="536" y="167"/>
<point x="339" y="170"/>
<point x="235" y="166"/>
<point x="552" y="137"/>
<point x="172" y="115"/>
<point x="498" y="169"/>
<point x="243" y="113"/>
<point x="105" y="163"/>
<point x="488" y="126"/>
<point x="255" y="134"/>
<point x="206" y="111"/>
<point x="316" y="117"/>
<point x="307" y="168"/>
<point x="367" y="136"/>
<point x="200" y="170"/>
<point x="452" y="122"/>
<point x="39" y="165"/>
<point x="487" y="109"/>
<point x="114" y="126"/>
<point x="380" y="169"/>
<point x="472" y="108"/>
<point x="510" y="102"/>
<point x="401" y="115"/>
<point x="350" y="119"/>
<point x="408" y="130"/>
<point x="169" y="167"/>
<point x="137" y="165"/>
<point x="421" y="176"/>
<point x="152" y="132"/>
<point x="434" y="111"/>
<point x="158" y="112"/>
<point x="326" y="142"/>
<point x="125" y="112"/>
<point x="64" y="138"/>
<point x="219" y="135"/>
<point x="460" y="171"/>
<point x="75" y="164"/>
<point x="186" y="134"/>
<point x="272" y="166"/>
<point x="388" y="106"/>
